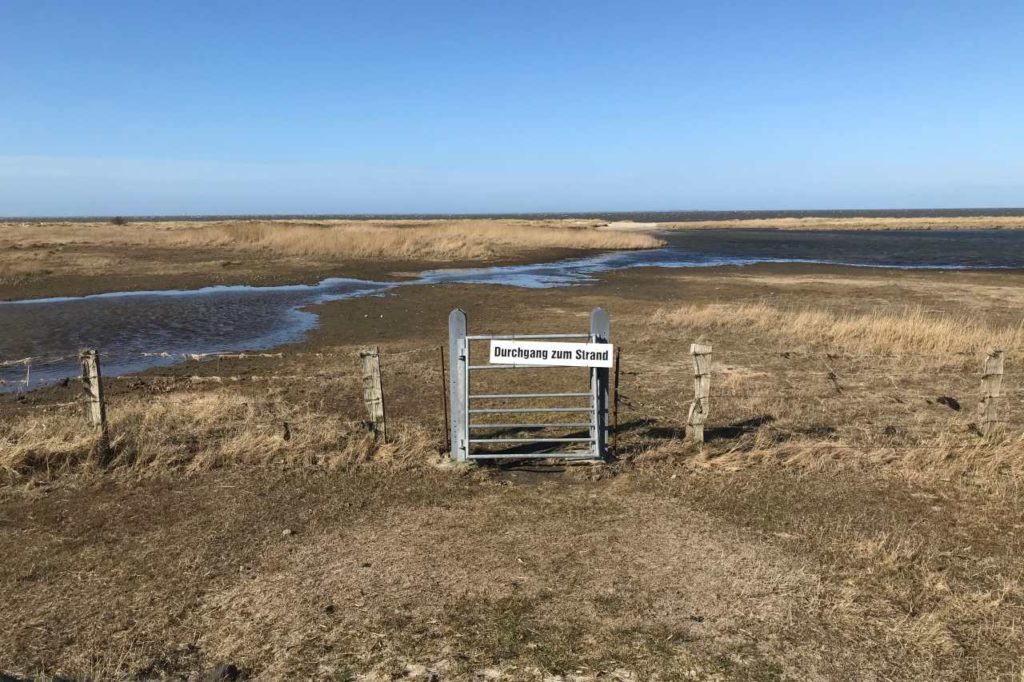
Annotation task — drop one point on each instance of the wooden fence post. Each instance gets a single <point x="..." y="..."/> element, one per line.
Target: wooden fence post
<point x="373" y="393"/>
<point x="991" y="386"/>
<point x="701" y="389"/>
<point x="95" y="404"/>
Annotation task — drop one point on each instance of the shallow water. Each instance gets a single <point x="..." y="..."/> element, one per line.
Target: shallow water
<point x="897" y="248"/>
<point x="127" y="326"/>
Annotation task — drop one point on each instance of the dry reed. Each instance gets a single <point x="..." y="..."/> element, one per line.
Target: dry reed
<point x="194" y="430"/>
<point x="911" y="330"/>
<point x="333" y="239"/>
<point x="458" y="240"/>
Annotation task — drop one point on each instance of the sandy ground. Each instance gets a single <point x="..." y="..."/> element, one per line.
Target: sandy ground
<point x="840" y="523"/>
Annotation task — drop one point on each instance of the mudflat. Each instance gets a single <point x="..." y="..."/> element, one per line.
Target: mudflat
<point x="39" y="259"/>
<point x="68" y="258"/>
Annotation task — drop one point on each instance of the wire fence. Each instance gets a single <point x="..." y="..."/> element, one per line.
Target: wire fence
<point x="32" y="364"/>
<point x="878" y="381"/>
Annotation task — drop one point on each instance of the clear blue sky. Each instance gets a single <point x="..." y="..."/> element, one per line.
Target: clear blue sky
<point x="174" y="107"/>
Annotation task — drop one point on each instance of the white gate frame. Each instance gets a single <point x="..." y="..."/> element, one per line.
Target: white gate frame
<point x="460" y="391"/>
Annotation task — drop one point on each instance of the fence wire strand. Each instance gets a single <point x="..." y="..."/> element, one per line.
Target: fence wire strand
<point x="835" y="380"/>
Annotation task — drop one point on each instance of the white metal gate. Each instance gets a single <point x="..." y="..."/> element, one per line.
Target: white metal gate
<point x="468" y="434"/>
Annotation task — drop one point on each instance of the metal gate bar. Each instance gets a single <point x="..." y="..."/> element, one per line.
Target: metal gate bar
<point x="461" y="395"/>
<point x="550" y="425"/>
<point x="571" y="455"/>
<point x="509" y="337"/>
<point x="529" y="440"/>
<point x="496" y="396"/>
<point x="506" y="410"/>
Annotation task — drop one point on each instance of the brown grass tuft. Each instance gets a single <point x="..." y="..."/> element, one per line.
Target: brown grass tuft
<point x="381" y="239"/>
<point x="911" y="330"/>
<point x="194" y="430"/>
<point x="478" y="239"/>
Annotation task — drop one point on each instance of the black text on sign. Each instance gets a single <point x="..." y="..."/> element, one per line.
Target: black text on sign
<point x="551" y="354"/>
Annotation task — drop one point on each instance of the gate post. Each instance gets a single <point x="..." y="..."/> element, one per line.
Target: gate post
<point x="457" y="389"/>
<point x="600" y="332"/>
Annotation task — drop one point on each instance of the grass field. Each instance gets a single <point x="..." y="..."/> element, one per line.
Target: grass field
<point x="843" y="521"/>
<point x="80" y="257"/>
<point x="457" y="239"/>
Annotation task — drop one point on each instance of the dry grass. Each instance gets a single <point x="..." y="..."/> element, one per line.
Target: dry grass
<point x="917" y="575"/>
<point x="490" y="571"/>
<point x="462" y="240"/>
<point x="889" y="548"/>
<point x="804" y="385"/>
<point x="195" y="430"/>
<point x="58" y="258"/>
<point x="929" y="223"/>
<point x="332" y="239"/>
<point x="765" y="573"/>
<point x="813" y="388"/>
<point x="912" y="330"/>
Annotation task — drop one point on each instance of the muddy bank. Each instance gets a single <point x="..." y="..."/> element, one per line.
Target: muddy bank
<point x="187" y="270"/>
<point x="416" y="316"/>
<point x="420" y="313"/>
<point x="58" y="260"/>
<point x="143" y="329"/>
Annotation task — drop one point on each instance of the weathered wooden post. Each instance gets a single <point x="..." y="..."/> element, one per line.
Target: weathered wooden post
<point x="701" y="389"/>
<point x="600" y="332"/>
<point x="95" y="405"/>
<point x="373" y="392"/>
<point x="457" y="384"/>
<point x="991" y="388"/>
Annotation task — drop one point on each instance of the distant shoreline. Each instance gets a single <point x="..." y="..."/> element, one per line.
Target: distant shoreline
<point x="833" y="224"/>
<point x="611" y="216"/>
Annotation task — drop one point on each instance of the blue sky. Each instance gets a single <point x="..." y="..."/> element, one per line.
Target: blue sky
<point x="147" y="107"/>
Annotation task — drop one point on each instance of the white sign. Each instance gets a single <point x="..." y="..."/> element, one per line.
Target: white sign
<point x="551" y="353"/>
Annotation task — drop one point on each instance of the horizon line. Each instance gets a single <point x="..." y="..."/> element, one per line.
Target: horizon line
<point x="709" y="214"/>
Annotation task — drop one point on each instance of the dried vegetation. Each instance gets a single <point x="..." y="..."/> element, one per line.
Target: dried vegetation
<point x="47" y="248"/>
<point x="440" y="240"/>
<point x="912" y="330"/>
<point x="887" y="547"/>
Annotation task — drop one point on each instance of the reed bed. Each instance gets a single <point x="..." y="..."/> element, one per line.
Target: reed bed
<point x="380" y="239"/>
<point x="458" y="240"/>
<point x="909" y="330"/>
